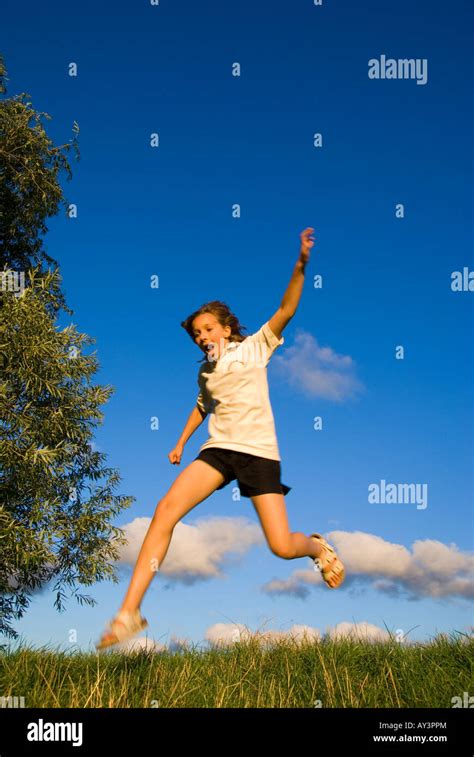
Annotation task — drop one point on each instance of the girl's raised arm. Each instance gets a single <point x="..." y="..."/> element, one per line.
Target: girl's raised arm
<point x="291" y="298"/>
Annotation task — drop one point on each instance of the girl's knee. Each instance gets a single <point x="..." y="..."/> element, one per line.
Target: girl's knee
<point x="284" y="550"/>
<point x="164" y="513"/>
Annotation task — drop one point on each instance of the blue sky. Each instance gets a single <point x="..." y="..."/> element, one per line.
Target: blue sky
<point x="167" y="211"/>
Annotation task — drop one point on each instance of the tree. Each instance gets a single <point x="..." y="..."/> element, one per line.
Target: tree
<point x="56" y="495"/>
<point x="53" y="523"/>
<point x="29" y="188"/>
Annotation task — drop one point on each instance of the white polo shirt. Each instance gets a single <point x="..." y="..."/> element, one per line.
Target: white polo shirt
<point x="234" y="391"/>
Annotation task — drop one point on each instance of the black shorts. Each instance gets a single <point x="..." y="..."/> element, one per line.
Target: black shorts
<point x="254" y="474"/>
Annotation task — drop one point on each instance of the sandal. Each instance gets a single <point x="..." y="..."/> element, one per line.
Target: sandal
<point x="329" y="565"/>
<point x="122" y="627"/>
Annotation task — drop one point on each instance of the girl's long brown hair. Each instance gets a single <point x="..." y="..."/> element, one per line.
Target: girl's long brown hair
<point x="225" y="317"/>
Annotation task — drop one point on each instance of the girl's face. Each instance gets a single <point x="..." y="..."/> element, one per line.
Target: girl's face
<point x="209" y="335"/>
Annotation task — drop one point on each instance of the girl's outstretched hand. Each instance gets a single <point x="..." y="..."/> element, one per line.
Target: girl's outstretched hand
<point x="175" y="455"/>
<point x="307" y="241"/>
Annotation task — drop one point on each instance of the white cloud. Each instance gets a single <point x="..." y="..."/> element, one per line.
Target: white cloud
<point x="222" y="635"/>
<point x="202" y="550"/>
<point x="358" y="631"/>
<point x="150" y="645"/>
<point x="226" y="634"/>
<point x="430" y="569"/>
<point x="317" y="371"/>
<point x="198" y="551"/>
<point x="141" y="643"/>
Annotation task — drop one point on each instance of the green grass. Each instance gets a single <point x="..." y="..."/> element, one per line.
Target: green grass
<point x="326" y="673"/>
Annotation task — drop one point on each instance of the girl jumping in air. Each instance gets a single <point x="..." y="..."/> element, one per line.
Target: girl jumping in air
<point x="242" y="445"/>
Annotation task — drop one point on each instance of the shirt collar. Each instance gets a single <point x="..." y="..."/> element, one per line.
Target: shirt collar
<point x="229" y="345"/>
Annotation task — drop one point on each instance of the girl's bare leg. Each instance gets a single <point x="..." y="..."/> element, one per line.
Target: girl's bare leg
<point x="271" y="510"/>
<point x="194" y="484"/>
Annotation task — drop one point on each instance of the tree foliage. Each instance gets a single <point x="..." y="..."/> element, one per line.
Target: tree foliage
<point x="57" y="496"/>
<point x="30" y="191"/>
<point x="55" y="506"/>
